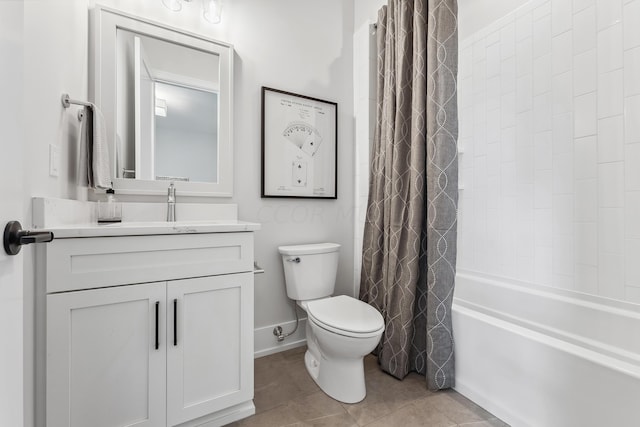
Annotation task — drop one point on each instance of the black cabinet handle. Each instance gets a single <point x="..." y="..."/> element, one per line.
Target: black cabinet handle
<point x="14" y="237"/>
<point x="175" y="322"/>
<point x="157" y="333"/>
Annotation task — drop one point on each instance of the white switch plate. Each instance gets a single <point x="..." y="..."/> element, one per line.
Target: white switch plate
<point x="54" y="160"/>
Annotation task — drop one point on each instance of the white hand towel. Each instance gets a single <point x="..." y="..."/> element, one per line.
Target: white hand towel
<point x="101" y="168"/>
<point x="94" y="152"/>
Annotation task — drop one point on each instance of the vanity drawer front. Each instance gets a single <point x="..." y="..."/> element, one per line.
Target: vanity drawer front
<point x="85" y="263"/>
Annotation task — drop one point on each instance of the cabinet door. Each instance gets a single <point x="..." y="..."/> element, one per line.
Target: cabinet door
<point x="210" y="350"/>
<point x="103" y="367"/>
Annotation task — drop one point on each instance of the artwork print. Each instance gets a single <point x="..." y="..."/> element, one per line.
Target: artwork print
<point x="299" y="143"/>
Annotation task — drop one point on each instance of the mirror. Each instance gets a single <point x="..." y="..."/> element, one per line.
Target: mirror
<point x="166" y="98"/>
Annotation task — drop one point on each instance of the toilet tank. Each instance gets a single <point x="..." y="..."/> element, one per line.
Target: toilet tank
<point x="310" y="270"/>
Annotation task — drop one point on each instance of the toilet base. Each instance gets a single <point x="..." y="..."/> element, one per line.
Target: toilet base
<point x="341" y="379"/>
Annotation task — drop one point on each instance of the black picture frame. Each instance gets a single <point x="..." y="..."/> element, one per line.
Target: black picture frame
<point x="299" y="138"/>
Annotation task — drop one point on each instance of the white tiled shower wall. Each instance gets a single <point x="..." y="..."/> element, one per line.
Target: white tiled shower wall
<point x="549" y="104"/>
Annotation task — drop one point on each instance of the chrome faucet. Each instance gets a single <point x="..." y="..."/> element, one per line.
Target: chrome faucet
<point x="171" y="203"/>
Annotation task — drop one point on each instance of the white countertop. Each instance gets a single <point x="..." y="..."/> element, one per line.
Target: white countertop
<point x="151" y="228"/>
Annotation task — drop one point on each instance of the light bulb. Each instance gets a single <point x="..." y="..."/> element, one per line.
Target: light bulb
<point x="173" y="5"/>
<point x="212" y="10"/>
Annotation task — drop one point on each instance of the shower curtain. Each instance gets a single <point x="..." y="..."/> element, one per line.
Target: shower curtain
<point x="409" y="248"/>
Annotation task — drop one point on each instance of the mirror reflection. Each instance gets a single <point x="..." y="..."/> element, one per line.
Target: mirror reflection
<point x="168" y="110"/>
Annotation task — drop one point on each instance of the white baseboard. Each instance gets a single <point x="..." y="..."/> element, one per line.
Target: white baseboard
<point x="539" y="356"/>
<point x="265" y="343"/>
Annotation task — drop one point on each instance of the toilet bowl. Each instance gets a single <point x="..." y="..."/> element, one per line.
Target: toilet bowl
<point x="340" y="330"/>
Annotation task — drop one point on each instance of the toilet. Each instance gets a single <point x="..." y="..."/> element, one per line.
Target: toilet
<point x="341" y="330"/>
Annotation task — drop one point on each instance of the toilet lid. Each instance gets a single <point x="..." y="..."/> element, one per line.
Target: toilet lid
<point x="346" y="314"/>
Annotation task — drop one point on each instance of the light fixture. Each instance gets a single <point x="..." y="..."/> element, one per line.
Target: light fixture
<point x="211" y="9"/>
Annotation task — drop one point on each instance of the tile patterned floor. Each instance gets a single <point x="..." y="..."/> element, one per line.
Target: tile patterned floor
<point x="285" y="395"/>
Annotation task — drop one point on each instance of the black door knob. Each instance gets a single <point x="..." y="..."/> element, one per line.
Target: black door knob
<point x="14" y="237"/>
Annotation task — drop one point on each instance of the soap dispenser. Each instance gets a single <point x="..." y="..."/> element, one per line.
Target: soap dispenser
<point x="110" y="210"/>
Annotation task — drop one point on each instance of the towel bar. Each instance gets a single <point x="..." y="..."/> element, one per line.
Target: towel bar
<point x="67" y="101"/>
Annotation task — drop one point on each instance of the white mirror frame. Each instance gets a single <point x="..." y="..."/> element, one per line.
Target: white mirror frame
<point x="104" y="23"/>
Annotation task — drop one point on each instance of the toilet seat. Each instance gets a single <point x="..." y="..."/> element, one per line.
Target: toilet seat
<point x="347" y="316"/>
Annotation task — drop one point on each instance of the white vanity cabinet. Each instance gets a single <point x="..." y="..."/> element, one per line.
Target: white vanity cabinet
<point x="149" y="330"/>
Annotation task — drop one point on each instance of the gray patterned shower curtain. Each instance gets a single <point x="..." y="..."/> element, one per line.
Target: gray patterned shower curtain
<point x="409" y="248"/>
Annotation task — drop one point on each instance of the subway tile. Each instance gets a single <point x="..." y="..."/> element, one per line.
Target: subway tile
<point x="609" y="13"/>
<point x="563" y="174"/>
<point x="524" y="134"/>
<point x="493" y="60"/>
<point x="543" y="226"/>
<point x="586" y="243"/>
<point x="582" y="4"/>
<point x="542" y="36"/>
<point x="541" y="10"/>
<point x="586" y="278"/>
<point x="542" y="112"/>
<point x="562" y="133"/>
<point x="631" y="264"/>
<point x="508" y="145"/>
<point x="542" y="189"/>
<point x="465" y="92"/>
<point x="562" y="90"/>
<point x="631" y="215"/>
<point x="610" y="94"/>
<point x="508" y="179"/>
<point x="585" y="158"/>
<point x="525" y="267"/>
<point x="524" y="93"/>
<point x="631" y="18"/>
<point x="492" y="100"/>
<point x="524" y="26"/>
<point x="632" y="119"/>
<point x="563" y="281"/>
<point x="508" y="110"/>
<point x="543" y="263"/>
<point x="586" y="200"/>
<point x="493" y="159"/>
<point x="611" y="230"/>
<point x="610" y="52"/>
<point x="611" y="139"/>
<point x="611" y="275"/>
<point x="493" y="126"/>
<point x="632" y="294"/>
<point x="524" y="165"/>
<point x="561" y="16"/>
<point x="563" y="254"/>
<point x="479" y="51"/>
<point x="563" y="216"/>
<point x="508" y="40"/>
<point x="611" y="185"/>
<point x="524" y="56"/>
<point x="542" y="74"/>
<point x="542" y="150"/>
<point x="632" y="168"/>
<point x="632" y="71"/>
<point x="585" y="72"/>
<point x="584" y="30"/>
<point x="508" y="75"/>
<point x="585" y="115"/>
<point x="561" y="52"/>
<point x="465" y="63"/>
<point x="492" y="39"/>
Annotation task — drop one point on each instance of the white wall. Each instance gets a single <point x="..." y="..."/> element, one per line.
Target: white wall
<point x="549" y="106"/>
<point x="298" y="46"/>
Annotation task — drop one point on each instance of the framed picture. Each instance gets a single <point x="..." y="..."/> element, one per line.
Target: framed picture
<point x="299" y="146"/>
